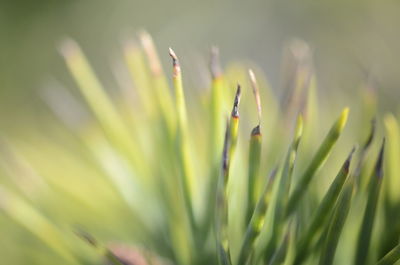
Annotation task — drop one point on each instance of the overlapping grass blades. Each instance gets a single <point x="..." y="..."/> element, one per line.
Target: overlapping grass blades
<point x="192" y="193"/>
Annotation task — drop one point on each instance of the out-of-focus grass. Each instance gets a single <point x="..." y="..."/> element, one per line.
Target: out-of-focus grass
<point x="144" y="174"/>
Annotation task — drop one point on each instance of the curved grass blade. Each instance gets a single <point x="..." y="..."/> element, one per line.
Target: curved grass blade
<point x="216" y="117"/>
<point x="221" y="208"/>
<point x="286" y="177"/>
<point x="316" y="162"/>
<point x="159" y="79"/>
<point x="390" y="258"/>
<point x="253" y="192"/>
<point x="99" y="102"/>
<point x="364" y="150"/>
<point x="390" y="237"/>
<point x="27" y="216"/>
<point x="374" y="188"/>
<point x="323" y="211"/>
<point x="280" y="254"/>
<point x="283" y="189"/>
<point x="134" y="59"/>
<point x="257" y="221"/>
<point x="392" y="129"/>
<point x="182" y="139"/>
<point x="336" y="225"/>
<point x="253" y="171"/>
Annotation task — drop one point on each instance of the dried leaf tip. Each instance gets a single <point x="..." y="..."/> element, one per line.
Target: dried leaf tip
<point x="235" y="109"/>
<point x="379" y="163"/>
<point x="173" y="56"/>
<point x="256" y="93"/>
<point x="256" y="131"/>
<point x="215" y="65"/>
<point x="175" y="62"/>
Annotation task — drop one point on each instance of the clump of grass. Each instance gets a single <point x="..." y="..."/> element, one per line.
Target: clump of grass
<point x="161" y="177"/>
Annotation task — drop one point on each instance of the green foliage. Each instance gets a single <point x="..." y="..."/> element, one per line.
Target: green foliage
<point x="151" y="168"/>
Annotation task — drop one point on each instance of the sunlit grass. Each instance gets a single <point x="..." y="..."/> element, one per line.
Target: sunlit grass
<point x="238" y="177"/>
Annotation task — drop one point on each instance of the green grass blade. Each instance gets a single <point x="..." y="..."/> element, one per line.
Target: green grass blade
<point x="336" y="225"/>
<point x="215" y="135"/>
<point x="286" y="177"/>
<point x="283" y="189"/>
<point x="364" y="237"/>
<point x="134" y="59"/>
<point x="257" y="221"/>
<point x="253" y="192"/>
<point x="101" y="105"/>
<point x="182" y="139"/>
<point x="221" y="208"/>
<point x="391" y="198"/>
<point x="253" y="171"/>
<point x="316" y="162"/>
<point x="280" y="254"/>
<point x="390" y="258"/>
<point x="323" y="211"/>
<point x="27" y="216"/>
<point x="159" y="82"/>
<point x="392" y="129"/>
<point x="363" y="154"/>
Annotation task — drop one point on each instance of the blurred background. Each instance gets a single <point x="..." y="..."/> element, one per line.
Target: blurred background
<point x="353" y="42"/>
<point x="350" y="40"/>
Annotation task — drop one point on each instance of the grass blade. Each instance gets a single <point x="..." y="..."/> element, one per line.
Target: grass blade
<point x="257" y="221"/>
<point x="365" y="233"/>
<point x="134" y="59"/>
<point x="283" y="189"/>
<point x="280" y="254"/>
<point x="336" y="225"/>
<point x="316" y="162"/>
<point x="27" y="216"/>
<point x="99" y="101"/>
<point x="323" y="211"/>
<point x="182" y="139"/>
<point x="253" y="192"/>
<point x="390" y="258"/>
<point x="254" y="171"/>
<point x="221" y="214"/>
<point x="234" y="123"/>
<point x="215" y="135"/>
<point x="363" y="154"/>
<point x="160" y="83"/>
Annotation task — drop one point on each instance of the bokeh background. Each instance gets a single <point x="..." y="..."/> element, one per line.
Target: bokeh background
<point x="353" y="42"/>
<point x="350" y="40"/>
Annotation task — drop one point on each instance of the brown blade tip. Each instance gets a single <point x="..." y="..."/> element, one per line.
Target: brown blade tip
<point x="256" y="131"/>
<point x="235" y="109"/>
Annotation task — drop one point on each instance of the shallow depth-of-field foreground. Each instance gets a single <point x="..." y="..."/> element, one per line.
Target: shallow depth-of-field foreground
<point x="156" y="171"/>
